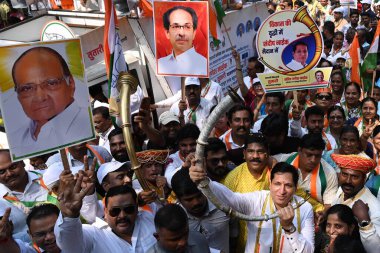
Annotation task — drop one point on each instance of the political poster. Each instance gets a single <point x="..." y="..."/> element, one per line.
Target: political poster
<point x="181" y="38"/>
<point x="44" y="97"/>
<point x="290" y="44"/>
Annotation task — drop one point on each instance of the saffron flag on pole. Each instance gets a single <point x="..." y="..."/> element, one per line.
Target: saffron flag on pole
<point x="355" y="58"/>
<point x="370" y="59"/>
<point x="113" y="55"/>
<point x="216" y="13"/>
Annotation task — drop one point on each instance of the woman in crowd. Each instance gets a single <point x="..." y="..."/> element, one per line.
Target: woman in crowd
<point x="351" y="105"/>
<point x="340" y="220"/>
<point x="337" y="86"/>
<point x="369" y="112"/>
<point x="350" y="144"/>
<point x="336" y="118"/>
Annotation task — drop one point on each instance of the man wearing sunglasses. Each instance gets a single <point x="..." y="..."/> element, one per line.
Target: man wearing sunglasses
<point x="45" y="89"/>
<point x="216" y="159"/>
<point x="180" y="25"/>
<point x="125" y="230"/>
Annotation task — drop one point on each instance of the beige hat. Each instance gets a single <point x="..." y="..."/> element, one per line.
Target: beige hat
<point x="192" y="81"/>
<point x="167" y="117"/>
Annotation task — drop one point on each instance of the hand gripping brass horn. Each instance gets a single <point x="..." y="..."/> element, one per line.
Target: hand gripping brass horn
<point x="127" y="85"/>
<point x="303" y="16"/>
<point x="203" y="186"/>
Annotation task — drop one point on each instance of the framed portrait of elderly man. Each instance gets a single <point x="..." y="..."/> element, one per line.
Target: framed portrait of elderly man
<point x="181" y="32"/>
<point x="44" y="97"/>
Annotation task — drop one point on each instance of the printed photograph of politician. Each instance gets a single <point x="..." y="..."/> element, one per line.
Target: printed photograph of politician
<point x="181" y="38"/>
<point x="44" y="97"/>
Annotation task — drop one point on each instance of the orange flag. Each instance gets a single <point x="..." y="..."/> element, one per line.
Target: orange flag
<point x="355" y="57"/>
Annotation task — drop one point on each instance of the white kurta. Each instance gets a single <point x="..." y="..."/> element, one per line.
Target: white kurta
<point x="251" y="204"/>
<point x="73" y="237"/>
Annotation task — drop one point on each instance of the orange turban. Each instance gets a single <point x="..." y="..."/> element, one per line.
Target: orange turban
<point x="159" y="156"/>
<point x="354" y="162"/>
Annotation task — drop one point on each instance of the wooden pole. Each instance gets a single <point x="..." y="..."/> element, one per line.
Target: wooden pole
<point x="182" y="88"/>
<point x="64" y="159"/>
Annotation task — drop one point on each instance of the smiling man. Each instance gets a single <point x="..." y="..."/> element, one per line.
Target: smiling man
<point x="180" y="25"/>
<point x="45" y="89"/>
<point x="300" y="54"/>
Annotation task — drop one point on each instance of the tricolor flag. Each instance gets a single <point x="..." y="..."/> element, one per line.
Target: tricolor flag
<point x="113" y="55"/>
<point x="216" y="13"/>
<point x="370" y="59"/>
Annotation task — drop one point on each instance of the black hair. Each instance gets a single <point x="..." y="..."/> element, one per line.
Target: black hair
<point x="239" y="107"/>
<point x="356" y="85"/>
<point x="324" y="60"/>
<point x="283" y="167"/>
<point x="350" y="129"/>
<point x="120" y="190"/>
<point x="346" y="244"/>
<point x="339" y="73"/>
<point x="214" y="144"/>
<point x="171" y="217"/>
<point x="376" y="131"/>
<point x="102" y="110"/>
<point x="256" y="138"/>
<point x="329" y="26"/>
<point x="300" y="43"/>
<point x="275" y="124"/>
<point x="369" y="99"/>
<point x="279" y="95"/>
<point x="312" y="141"/>
<point x="193" y="14"/>
<point x="182" y="184"/>
<point x="42" y="211"/>
<point x="314" y="110"/>
<point x="188" y="131"/>
<point x="344" y="214"/>
<point x="95" y="90"/>
<point x="259" y="64"/>
<point x="65" y="67"/>
<point x="365" y="14"/>
<point x="299" y="3"/>
<point x="115" y="132"/>
<point x="336" y="108"/>
<point x="354" y="11"/>
<point x="338" y="33"/>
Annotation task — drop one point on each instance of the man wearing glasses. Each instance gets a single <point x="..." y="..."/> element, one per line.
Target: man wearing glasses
<point x="180" y="25"/>
<point x="45" y="89"/>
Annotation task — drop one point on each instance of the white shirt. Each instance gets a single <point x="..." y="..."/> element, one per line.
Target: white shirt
<point x="103" y="139"/>
<point x="295" y="65"/>
<point x="72" y="125"/>
<point x="201" y="112"/>
<point x="174" y="164"/>
<point x="329" y="194"/>
<point x="333" y="57"/>
<point x="227" y="139"/>
<point x="247" y="82"/>
<point x="33" y="192"/>
<point x="252" y="203"/>
<point x="187" y="63"/>
<point x="72" y="236"/>
<point x="369" y="235"/>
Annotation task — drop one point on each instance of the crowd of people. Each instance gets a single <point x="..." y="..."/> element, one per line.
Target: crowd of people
<point x="268" y="153"/>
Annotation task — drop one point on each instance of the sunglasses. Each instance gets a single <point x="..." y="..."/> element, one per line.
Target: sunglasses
<point x="115" y="211"/>
<point x="326" y="97"/>
<point x="215" y="161"/>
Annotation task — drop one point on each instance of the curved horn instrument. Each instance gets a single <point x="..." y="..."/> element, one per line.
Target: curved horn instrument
<point x="303" y="16"/>
<point x="221" y="108"/>
<point x="127" y="85"/>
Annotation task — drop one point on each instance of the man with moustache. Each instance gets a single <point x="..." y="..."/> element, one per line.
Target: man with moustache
<point x="252" y="175"/>
<point x="317" y="177"/>
<point x="240" y="119"/>
<point x="294" y="229"/>
<point x="216" y="159"/>
<point x="40" y="221"/>
<point x="180" y="25"/>
<point x="103" y="125"/>
<point x="300" y="54"/>
<point x="126" y="228"/>
<point x="187" y="142"/>
<point x="195" y="109"/>
<point x="203" y="216"/>
<point x="20" y="190"/>
<point x="353" y="193"/>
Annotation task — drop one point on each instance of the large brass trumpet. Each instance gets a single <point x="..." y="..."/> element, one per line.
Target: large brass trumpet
<point x="127" y="85"/>
<point x="220" y="109"/>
